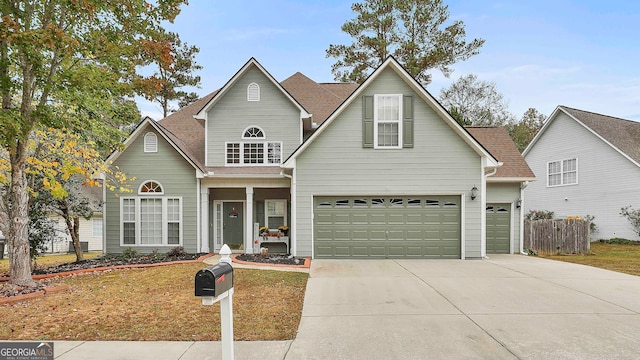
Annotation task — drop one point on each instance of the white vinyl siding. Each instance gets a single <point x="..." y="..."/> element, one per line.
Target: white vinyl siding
<point x="254" y="153"/>
<point x="150" y="142"/>
<point x="387" y="120"/>
<point x="562" y="172"/>
<point x="151" y="221"/>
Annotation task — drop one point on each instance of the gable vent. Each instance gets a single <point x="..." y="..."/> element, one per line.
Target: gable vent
<point x="253" y="92"/>
<point x="150" y="142"/>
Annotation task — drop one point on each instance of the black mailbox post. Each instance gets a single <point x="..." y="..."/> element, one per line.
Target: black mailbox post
<point x="214" y="280"/>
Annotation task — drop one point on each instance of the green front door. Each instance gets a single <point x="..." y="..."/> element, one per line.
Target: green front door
<point x="233" y="224"/>
<point x="387" y="227"/>
<point x="498" y="228"/>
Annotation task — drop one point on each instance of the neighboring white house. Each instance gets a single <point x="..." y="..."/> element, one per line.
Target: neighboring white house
<point x="91" y="231"/>
<point x="587" y="164"/>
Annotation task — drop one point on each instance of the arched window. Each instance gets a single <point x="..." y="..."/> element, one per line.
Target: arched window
<point x="253" y="92"/>
<point x="253" y="132"/>
<point x="150" y="142"/>
<point x="151" y="187"/>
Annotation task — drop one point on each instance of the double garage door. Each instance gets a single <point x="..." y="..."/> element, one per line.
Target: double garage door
<point x="387" y="227"/>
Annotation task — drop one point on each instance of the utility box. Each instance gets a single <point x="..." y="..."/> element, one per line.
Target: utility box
<point x="214" y="280"/>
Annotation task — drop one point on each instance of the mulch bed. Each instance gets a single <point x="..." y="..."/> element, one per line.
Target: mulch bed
<point x="271" y="259"/>
<point x="9" y="290"/>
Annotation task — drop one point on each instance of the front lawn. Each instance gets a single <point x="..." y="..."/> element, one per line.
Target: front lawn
<point x="616" y="257"/>
<point x="158" y="303"/>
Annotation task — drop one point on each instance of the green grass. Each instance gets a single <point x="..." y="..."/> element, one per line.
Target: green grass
<point x="617" y="257"/>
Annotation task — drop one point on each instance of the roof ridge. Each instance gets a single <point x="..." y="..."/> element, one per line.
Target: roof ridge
<point x="311" y="80"/>
<point x="598" y="114"/>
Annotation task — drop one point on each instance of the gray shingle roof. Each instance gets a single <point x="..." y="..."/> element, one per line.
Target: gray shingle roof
<point x="621" y="133"/>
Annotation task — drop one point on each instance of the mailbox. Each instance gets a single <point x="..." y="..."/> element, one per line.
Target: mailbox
<point x="214" y="280"/>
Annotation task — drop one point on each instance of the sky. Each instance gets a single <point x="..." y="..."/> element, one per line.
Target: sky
<point x="583" y="54"/>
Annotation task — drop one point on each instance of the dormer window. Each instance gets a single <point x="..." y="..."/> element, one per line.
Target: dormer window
<point x="253" y="92"/>
<point x="253" y="132"/>
<point x="150" y="142"/>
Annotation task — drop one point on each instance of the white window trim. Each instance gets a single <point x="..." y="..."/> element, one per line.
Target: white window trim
<point x="375" y="121"/>
<point x="150" y="193"/>
<point x="265" y="153"/>
<point x="264" y="135"/>
<point x="165" y="232"/>
<point x="253" y="96"/>
<point x="148" y="146"/>
<point x="266" y="210"/>
<point x="562" y="172"/>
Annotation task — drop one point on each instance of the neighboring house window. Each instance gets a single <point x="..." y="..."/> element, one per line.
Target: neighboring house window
<point x="562" y="172"/>
<point x="275" y="213"/>
<point x="253" y="92"/>
<point x="387" y="120"/>
<point x="150" y="219"/>
<point x="253" y="152"/>
<point x="97" y="227"/>
<point x="150" y="142"/>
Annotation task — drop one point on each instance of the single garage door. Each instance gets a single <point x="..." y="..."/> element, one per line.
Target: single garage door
<point x="387" y="227"/>
<point x="498" y="228"/>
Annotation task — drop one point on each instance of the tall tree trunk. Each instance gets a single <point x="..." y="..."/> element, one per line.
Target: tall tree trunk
<point x="75" y="236"/>
<point x="20" y="259"/>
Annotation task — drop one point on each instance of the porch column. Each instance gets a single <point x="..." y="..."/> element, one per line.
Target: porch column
<point x="204" y="222"/>
<point x="248" y="226"/>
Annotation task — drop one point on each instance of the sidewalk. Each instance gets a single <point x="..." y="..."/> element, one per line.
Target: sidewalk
<point x="167" y="350"/>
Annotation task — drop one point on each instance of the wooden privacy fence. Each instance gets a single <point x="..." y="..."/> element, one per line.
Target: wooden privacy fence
<point x="550" y="237"/>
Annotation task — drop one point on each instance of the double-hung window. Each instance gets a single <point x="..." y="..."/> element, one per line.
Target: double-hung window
<point x="151" y="218"/>
<point x="254" y="149"/>
<point x="387" y="118"/>
<point x="562" y="172"/>
<point x="275" y="213"/>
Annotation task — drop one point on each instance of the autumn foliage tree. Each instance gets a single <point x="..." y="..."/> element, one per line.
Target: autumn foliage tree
<point x="417" y="33"/>
<point x="174" y="72"/>
<point x="66" y="64"/>
<point x="62" y="170"/>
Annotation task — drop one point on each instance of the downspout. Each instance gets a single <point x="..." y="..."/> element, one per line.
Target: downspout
<point x="522" y="187"/>
<point x="483" y="214"/>
<point x="292" y="222"/>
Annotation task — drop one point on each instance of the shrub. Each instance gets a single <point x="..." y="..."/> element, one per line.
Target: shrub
<point x="619" y="241"/>
<point x="633" y="215"/>
<point x="130" y="253"/>
<point x="539" y="215"/>
<point x="176" y="252"/>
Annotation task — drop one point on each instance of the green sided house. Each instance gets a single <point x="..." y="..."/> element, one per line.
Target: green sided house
<point x="379" y="170"/>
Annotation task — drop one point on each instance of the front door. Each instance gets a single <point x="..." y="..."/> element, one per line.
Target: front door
<point x="233" y="225"/>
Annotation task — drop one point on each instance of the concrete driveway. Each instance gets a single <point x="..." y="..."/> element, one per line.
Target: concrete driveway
<point x="506" y="307"/>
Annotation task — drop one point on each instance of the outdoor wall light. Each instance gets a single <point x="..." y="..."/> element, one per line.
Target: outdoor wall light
<point x="474" y="192"/>
<point x="518" y="203"/>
